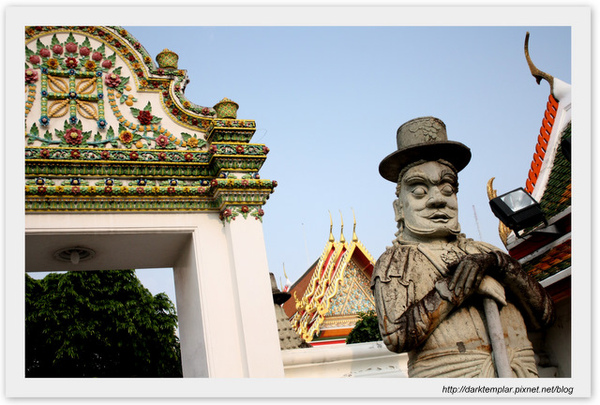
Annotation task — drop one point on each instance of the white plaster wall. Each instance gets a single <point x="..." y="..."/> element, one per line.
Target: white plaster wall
<point x="371" y="359"/>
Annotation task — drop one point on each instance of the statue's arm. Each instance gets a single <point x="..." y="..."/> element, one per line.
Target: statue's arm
<point x="415" y="323"/>
<point x="533" y="300"/>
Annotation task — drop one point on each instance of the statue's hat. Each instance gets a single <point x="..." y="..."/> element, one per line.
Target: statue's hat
<point x="423" y="138"/>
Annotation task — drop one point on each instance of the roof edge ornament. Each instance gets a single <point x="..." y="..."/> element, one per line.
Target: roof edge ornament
<point x="331" y="238"/>
<point x="537" y="73"/>
<point x="354" y="237"/>
<point x="503" y="230"/>
<point x="342" y="239"/>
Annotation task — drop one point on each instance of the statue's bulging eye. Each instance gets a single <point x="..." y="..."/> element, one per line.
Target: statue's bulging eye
<point x="447" y="190"/>
<point x="419" y="191"/>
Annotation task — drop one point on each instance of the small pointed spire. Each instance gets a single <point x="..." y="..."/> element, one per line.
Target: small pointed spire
<point x="354" y="237"/>
<point x="342" y="239"/>
<point x="331" y="238"/>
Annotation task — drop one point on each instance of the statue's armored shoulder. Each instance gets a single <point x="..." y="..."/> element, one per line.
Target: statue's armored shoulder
<point x="393" y="263"/>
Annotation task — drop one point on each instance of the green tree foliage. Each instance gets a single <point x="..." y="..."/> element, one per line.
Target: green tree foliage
<point x="366" y="329"/>
<point x="99" y="324"/>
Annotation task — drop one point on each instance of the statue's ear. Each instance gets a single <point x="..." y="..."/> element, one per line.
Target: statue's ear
<point x="398" y="213"/>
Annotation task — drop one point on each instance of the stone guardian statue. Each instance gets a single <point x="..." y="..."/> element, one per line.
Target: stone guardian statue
<point x="431" y="285"/>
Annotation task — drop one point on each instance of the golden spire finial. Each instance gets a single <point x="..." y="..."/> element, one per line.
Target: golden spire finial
<point x="284" y="271"/>
<point x="535" y="72"/>
<point x="331" y="238"/>
<point x="354" y="237"/>
<point x="503" y="230"/>
<point x="342" y="239"/>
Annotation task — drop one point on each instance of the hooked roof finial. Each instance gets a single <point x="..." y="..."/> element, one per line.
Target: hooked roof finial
<point x="342" y="239"/>
<point x="331" y="238"/>
<point x="354" y="237"/>
<point x="538" y="74"/>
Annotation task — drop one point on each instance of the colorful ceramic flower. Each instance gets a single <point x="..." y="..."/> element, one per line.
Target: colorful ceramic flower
<point x="45" y="153"/>
<point x="133" y="155"/>
<point x="245" y="209"/>
<point x="57" y="49"/>
<point x="44" y="52"/>
<point x="97" y="56"/>
<point x="126" y="137"/>
<point x="239" y="149"/>
<point x="189" y="157"/>
<point x="112" y="80"/>
<point x="75" y="190"/>
<point x="71" y="63"/>
<point x="90" y="65"/>
<point x="106" y="64"/>
<point x="35" y="59"/>
<point x="73" y="136"/>
<point x="192" y="142"/>
<point x="31" y="76"/>
<point x="52" y="63"/>
<point x="105" y="155"/>
<point x="145" y="117"/>
<point x="75" y="154"/>
<point x="162" y="156"/>
<point x="162" y="141"/>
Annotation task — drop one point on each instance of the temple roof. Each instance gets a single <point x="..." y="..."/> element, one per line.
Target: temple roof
<point x="337" y="290"/>
<point x="544" y="254"/>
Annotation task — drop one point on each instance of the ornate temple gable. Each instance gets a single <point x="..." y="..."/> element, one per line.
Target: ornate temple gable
<point x="107" y="129"/>
<point x="337" y="291"/>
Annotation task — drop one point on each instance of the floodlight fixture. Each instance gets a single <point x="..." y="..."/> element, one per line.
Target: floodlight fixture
<point x="518" y="210"/>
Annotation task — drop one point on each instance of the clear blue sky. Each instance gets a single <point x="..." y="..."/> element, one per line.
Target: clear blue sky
<point x="329" y="93"/>
<point x="328" y="100"/>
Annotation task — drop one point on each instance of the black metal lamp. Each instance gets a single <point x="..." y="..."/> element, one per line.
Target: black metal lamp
<point x="517" y="210"/>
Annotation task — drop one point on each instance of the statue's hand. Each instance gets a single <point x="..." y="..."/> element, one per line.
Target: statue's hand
<point x="489" y="287"/>
<point x="469" y="272"/>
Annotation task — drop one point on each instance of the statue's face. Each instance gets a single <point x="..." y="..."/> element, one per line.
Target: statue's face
<point x="427" y="202"/>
